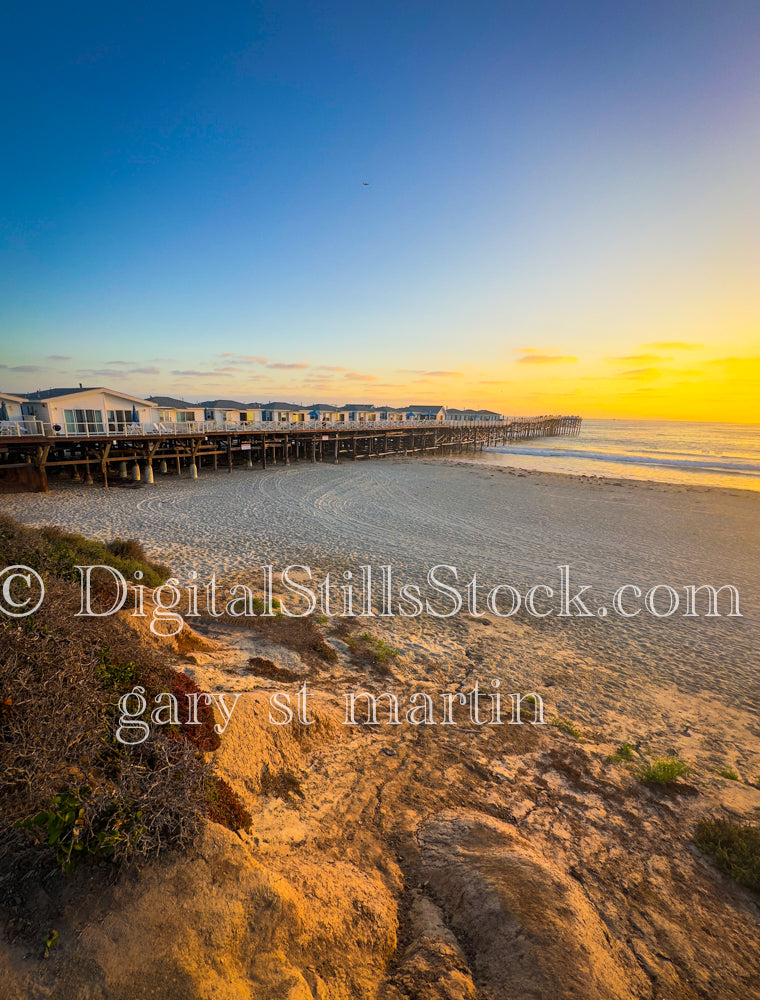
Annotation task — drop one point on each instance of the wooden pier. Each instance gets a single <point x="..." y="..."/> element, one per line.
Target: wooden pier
<point x="34" y="462"/>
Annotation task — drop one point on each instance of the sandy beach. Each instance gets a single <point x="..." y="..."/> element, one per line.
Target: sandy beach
<point x="508" y="526"/>
<point x="414" y="827"/>
<point x="642" y="676"/>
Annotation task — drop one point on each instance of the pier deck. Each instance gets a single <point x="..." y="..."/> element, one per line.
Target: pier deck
<point x="28" y="461"/>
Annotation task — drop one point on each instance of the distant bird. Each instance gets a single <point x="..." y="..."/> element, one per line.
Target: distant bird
<point x="365" y="184"/>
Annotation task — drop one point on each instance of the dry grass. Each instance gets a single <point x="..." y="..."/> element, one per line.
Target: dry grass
<point x="67" y="786"/>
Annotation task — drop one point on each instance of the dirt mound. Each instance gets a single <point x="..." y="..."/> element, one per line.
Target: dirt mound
<point x="530" y="930"/>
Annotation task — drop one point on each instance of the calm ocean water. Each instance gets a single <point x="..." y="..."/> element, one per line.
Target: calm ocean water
<point x="666" y="451"/>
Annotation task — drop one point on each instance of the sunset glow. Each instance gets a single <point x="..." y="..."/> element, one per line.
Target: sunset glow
<point x="535" y="208"/>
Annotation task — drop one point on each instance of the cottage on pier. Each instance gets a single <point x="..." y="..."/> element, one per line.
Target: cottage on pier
<point x="230" y="411"/>
<point x="176" y="411"/>
<point x="428" y="412"/>
<point x="10" y="407"/>
<point x="92" y="410"/>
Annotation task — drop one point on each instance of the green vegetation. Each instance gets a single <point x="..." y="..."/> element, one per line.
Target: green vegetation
<point x="382" y="653"/>
<point x="566" y="726"/>
<point x="664" y="771"/>
<point x="259" y="606"/>
<point x="67" y="786"/>
<point x="65" y="827"/>
<point x="57" y="553"/>
<point x="729" y="773"/>
<point x="116" y="675"/>
<point x="734" y="847"/>
<point x="50" y="941"/>
<point x="623" y="753"/>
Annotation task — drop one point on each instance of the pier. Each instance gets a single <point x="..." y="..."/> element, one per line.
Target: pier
<point x="33" y="457"/>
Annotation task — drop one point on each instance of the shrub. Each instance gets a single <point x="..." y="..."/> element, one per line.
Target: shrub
<point x="127" y="548"/>
<point x="380" y="650"/>
<point x="116" y="675"/>
<point x="66" y="783"/>
<point x="623" y="753"/>
<point x="734" y="847"/>
<point x="74" y="835"/>
<point x="663" y="772"/>
<point x="729" y="773"/>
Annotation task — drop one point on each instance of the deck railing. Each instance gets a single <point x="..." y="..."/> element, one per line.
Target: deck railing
<point x="38" y="428"/>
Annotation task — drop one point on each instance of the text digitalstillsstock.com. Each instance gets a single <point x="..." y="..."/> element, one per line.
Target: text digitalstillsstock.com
<point x="366" y="592"/>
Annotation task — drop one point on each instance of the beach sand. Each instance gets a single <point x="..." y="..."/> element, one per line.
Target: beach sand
<point x="433" y="839"/>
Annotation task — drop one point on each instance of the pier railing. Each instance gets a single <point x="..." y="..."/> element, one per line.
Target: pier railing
<point x="30" y="427"/>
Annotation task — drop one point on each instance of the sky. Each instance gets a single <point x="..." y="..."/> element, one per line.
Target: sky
<point x="532" y="207"/>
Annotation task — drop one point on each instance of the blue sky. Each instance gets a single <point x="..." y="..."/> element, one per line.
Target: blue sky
<point x="398" y="201"/>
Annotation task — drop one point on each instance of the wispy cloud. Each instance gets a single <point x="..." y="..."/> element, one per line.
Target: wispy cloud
<point x="193" y="371"/>
<point x="672" y="345"/>
<point x="358" y="377"/>
<point x="288" y="365"/>
<point x="642" y="373"/>
<point x="640" y="358"/>
<point x="545" y="359"/>
<point x="58" y="357"/>
<point x="254" y="359"/>
<point x="330" y="368"/>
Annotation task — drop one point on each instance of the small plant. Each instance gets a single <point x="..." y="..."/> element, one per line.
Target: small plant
<point x="127" y="548"/>
<point x="662" y="772"/>
<point x="623" y="753"/>
<point x="50" y="941"/>
<point x="566" y="726"/>
<point x="65" y="827"/>
<point x="117" y="675"/>
<point x="259" y="606"/>
<point x="728" y="773"/>
<point x="734" y="847"/>
<point x="381" y="651"/>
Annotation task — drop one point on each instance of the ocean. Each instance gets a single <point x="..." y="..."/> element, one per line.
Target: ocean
<point x="726" y="455"/>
